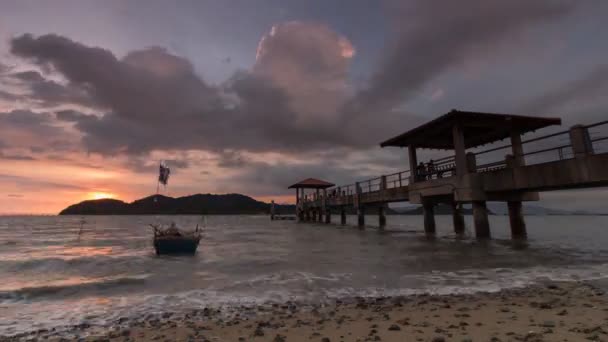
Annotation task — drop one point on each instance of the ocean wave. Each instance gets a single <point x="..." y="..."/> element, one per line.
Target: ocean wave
<point x="62" y="263"/>
<point x="62" y="291"/>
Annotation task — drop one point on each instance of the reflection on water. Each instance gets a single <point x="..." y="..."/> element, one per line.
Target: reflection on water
<point x="52" y="278"/>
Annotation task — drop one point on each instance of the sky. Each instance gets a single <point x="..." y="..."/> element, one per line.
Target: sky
<point x="250" y="96"/>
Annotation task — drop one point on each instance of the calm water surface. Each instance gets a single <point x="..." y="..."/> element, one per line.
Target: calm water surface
<point x="50" y="278"/>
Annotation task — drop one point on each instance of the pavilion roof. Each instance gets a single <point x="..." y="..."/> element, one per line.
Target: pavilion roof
<point x="478" y="129"/>
<point x="311" y="183"/>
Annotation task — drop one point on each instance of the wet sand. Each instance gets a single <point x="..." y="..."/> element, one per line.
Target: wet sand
<point x="550" y="312"/>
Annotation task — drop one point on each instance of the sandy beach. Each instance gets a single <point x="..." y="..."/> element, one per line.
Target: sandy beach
<point x="550" y="312"/>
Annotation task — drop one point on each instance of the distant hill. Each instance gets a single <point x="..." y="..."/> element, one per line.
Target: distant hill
<point x="199" y="204"/>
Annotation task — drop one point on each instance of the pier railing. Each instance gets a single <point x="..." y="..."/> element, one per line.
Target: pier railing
<point x="599" y="136"/>
<point x="397" y="180"/>
<point x="547" y="148"/>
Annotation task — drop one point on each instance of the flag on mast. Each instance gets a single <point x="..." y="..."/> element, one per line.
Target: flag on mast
<point x="163" y="173"/>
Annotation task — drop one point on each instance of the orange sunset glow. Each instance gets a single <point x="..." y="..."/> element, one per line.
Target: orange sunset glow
<point x="100" y="195"/>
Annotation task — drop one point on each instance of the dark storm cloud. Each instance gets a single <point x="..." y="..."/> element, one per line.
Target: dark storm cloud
<point x="28" y="76"/>
<point x="39" y="131"/>
<point x="436" y="35"/>
<point x="266" y="179"/>
<point x="46" y="92"/>
<point x="9" y="97"/>
<point x="155" y="100"/>
<point x="37" y="123"/>
<point x="70" y="115"/>
<point x="591" y="89"/>
<point x="231" y="159"/>
<point x="297" y="97"/>
<point x="144" y="164"/>
<point x="16" y="157"/>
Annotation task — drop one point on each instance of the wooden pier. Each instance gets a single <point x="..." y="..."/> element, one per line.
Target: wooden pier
<point x="564" y="160"/>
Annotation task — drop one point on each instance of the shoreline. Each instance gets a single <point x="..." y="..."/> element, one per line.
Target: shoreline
<point x="556" y="311"/>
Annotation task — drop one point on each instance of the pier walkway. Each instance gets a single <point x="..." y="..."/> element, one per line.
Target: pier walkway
<point x="569" y="159"/>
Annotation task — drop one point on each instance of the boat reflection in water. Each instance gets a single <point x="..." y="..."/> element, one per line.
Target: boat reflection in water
<point x="173" y="240"/>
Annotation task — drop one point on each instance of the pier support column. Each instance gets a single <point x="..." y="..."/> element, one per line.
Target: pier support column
<point x="413" y="164"/>
<point x="429" y="217"/>
<point x="381" y="216"/>
<point x="327" y="215"/>
<point x="518" y="149"/>
<point x="314" y="215"/>
<point x="581" y="141"/>
<point x="459" y="150"/>
<point x="361" y="217"/>
<point x="516" y="218"/>
<point x="320" y="213"/>
<point x="480" y="216"/>
<point x="457" y="218"/>
<point x="342" y="216"/>
<point x="307" y="215"/>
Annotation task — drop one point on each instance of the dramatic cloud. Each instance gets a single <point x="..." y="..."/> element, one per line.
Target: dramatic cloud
<point x="15" y="156"/>
<point x="296" y="97"/>
<point x="155" y="100"/>
<point x="48" y="93"/>
<point x="436" y="35"/>
<point x="590" y="89"/>
<point x="20" y="128"/>
<point x="310" y="62"/>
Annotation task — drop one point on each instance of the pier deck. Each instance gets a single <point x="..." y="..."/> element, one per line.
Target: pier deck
<point x="569" y="159"/>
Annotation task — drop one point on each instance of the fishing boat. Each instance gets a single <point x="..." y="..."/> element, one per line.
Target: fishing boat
<point x="173" y="240"/>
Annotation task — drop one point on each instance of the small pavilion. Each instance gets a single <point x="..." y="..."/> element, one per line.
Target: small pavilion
<point x="459" y="131"/>
<point x="309" y="183"/>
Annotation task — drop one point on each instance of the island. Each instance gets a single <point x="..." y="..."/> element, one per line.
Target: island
<point x="198" y="204"/>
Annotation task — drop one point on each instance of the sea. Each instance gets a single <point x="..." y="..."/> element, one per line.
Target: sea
<point x="57" y="272"/>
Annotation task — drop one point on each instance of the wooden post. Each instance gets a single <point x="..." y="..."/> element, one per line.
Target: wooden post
<point x="359" y="206"/>
<point x="460" y="150"/>
<point x="413" y="164"/>
<point x="517" y="148"/>
<point x="429" y="217"/>
<point x="457" y="218"/>
<point x="581" y="141"/>
<point x="328" y="215"/>
<point x="480" y="216"/>
<point x="516" y="219"/>
<point x="381" y="216"/>
<point x="471" y="162"/>
<point x="361" y="217"/>
<point x="342" y="215"/>
<point x="324" y="205"/>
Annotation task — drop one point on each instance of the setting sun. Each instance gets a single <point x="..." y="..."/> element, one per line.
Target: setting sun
<point x="100" y="195"/>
